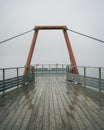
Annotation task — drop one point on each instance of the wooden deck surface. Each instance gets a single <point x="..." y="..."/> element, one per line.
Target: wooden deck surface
<point x="52" y="104"/>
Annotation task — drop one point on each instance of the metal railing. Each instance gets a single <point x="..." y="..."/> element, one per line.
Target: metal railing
<point x="13" y="77"/>
<point x="50" y="69"/>
<point x="88" y="76"/>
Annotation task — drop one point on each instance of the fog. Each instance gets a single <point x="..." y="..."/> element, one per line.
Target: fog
<point x="85" y="16"/>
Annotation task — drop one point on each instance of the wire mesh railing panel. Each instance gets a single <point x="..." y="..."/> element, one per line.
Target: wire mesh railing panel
<point x="61" y="68"/>
<point x="1" y="74"/>
<point x="13" y="77"/>
<point x="81" y="70"/>
<point x="92" y="72"/>
<point x="20" y="71"/>
<point x="88" y="76"/>
<point x="50" y="68"/>
<point x="102" y="73"/>
<point x="10" y="73"/>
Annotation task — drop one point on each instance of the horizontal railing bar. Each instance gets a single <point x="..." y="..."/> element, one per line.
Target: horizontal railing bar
<point x="92" y="75"/>
<point x="9" y="82"/>
<point x="13" y="68"/>
<point x="70" y="65"/>
<point x="87" y="81"/>
<point x="52" y="64"/>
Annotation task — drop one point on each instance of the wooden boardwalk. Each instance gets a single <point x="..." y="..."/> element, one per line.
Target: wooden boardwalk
<point x="52" y="104"/>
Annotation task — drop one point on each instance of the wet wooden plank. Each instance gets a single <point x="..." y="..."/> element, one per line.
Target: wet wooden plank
<point x="63" y="113"/>
<point x="52" y="104"/>
<point x="58" y="118"/>
<point x="19" y="114"/>
<point x="34" y="113"/>
<point x="39" y="120"/>
<point x="94" y="118"/>
<point x="94" y="107"/>
<point x="25" y="120"/>
<point x="46" y="110"/>
<point x="11" y="111"/>
<point x="27" y="105"/>
<point x="81" y="107"/>
<point x="74" y="111"/>
<point x="52" y="110"/>
<point x="68" y="108"/>
<point x="89" y="120"/>
<point x="7" y="103"/>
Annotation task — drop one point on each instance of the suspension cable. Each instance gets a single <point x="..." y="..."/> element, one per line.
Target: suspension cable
<point x="66" y="29"/>
<point x="16" y="36"/>
<point x="85" y="35"/>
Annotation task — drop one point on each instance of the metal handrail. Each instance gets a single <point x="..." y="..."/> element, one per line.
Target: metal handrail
<point x="13" y="77"/>
<point x="88" y="76"/>
<point x="50" y="68"/>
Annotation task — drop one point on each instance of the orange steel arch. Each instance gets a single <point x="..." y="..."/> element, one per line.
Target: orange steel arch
<point x="64" y="29"/>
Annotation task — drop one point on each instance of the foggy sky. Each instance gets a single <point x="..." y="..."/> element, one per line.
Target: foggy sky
<point x="85" y="16"/>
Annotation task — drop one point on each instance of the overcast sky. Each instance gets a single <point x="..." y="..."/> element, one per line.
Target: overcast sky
<point x="18" y="16"/>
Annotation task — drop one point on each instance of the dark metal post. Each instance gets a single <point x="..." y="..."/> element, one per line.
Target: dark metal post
<point x="49" y="68"/>
<point x="56" y="68"/>
<point x="33" y="74"/>
<point x="67" y="69"/>
<point x="84" y="71"/>
<point x="62" y="69"/>
<point x="42" y="68"/>
<point x="100" y="79"/>
<point x="3" y="80"/>
<point x="17" y="72"/>
<point x="17" y="77"/>
<point x="36" y="69"/>
<point x="84" y="76"/>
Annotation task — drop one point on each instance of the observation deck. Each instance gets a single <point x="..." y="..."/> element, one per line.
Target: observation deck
<point x="51" y="102"/>
<point x="52" y="97"/>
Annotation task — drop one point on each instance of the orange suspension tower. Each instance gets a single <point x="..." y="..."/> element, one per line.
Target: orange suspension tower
<point x="33" y="43"/>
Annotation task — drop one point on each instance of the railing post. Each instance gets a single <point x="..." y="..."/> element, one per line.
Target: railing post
<point x="56" y="68"/>
<point x="36" y="69"/>
<point x="62" y="69"/>
<point x="100" y="79"/>
<point x="33" y="74"/>
<point x="67" y="72"/>
<point x="49" y="68"/>
<point x="3" y="80"/>
<point x="84" y="76"/>
<point x="17" y="77"/>
<point x="67" y="69"/>
<point x="42" y="68"/>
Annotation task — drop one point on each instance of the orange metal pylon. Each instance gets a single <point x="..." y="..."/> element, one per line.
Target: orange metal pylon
<point x="64" y="28"/>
